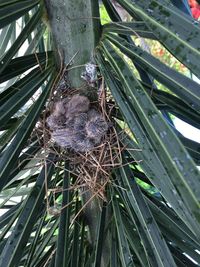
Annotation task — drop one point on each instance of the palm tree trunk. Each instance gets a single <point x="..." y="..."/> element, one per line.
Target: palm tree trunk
<point x="75" y="30"/>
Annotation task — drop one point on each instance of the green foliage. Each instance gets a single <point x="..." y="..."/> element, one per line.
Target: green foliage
<point x="104" y="15"/>
<point x="151" y="215"/>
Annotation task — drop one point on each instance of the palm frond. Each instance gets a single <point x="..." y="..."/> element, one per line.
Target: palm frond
<point x="149" y="215"/>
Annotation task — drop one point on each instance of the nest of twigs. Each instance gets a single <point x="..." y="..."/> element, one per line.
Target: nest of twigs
<point x="93" y="164"/>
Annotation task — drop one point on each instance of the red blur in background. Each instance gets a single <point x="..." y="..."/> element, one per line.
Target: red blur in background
<point x="195" y="8"/>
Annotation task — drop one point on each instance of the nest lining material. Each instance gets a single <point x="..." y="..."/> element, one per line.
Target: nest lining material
<point x="75" y="125"/>
<point x="91" y="144"/>
<point x="80" y="123"/>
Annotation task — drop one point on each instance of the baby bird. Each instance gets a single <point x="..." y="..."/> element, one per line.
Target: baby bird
<point x="81" y="143"/>
<point x="96" y="127"/>
<point x="56" y="122"/>
<point x="80" y="122"/>
<point x="77" y="104"/>
<point x="63" y="137"/>
<point x="57" y="118"/>
<point x="59" y="108"/>
<point x="76" y="126"/>
<point x="66" y="109"/>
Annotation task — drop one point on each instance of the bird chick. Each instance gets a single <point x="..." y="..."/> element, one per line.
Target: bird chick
<point x="76" y="126"/>
<point x="96" y="127"/>
<point x="81" y="143"/>
<point x="77" y="104"/>
<point x="63" y="137"/>
<point x="57" y="118"/>
<point x="56" y="122"/>
<point x="80" y="122"/>
<point x="59" y="108"/>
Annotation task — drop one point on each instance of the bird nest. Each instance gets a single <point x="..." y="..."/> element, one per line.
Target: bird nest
<point x="82" y="130"/>
<point x="85" y="134"/>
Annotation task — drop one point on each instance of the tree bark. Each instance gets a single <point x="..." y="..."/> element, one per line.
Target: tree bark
<point x="75" y="28"/>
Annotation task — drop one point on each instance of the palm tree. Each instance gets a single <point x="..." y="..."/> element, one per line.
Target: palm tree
<point x="134" y="199"/>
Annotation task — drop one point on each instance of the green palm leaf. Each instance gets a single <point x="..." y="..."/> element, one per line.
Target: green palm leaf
<point x="149" y="215"/>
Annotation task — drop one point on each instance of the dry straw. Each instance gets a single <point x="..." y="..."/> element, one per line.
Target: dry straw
<point x="92" y="168"/>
